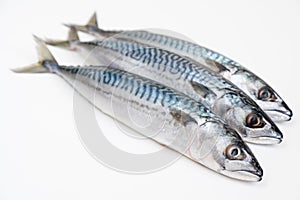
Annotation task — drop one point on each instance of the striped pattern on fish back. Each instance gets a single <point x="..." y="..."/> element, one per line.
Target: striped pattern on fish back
<point x="164" y="60"/>
<point x="140" y="87"/>
<point x="178" y="44"/>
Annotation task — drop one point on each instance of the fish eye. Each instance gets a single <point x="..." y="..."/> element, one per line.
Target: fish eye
<point x="266" y="94"/>
<point x="234" y="152"/>
<point x="253" y="120"/>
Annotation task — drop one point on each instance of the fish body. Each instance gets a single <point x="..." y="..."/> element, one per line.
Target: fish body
<point x="188" y="126"/>
<point x="194" y="80"/>
<point x="262" y="93"/>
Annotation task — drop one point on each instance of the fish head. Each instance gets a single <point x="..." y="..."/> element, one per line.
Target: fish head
<point x="245" y="116"/>
<point x="237" y="160"/>
<point x="223" y="150"/>
<point x="263" y="95"/>
<point x="272" y="103"/>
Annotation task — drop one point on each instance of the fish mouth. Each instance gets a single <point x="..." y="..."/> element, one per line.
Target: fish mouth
<point x="270" y="137"/>
<point x="265" y="140"/>
<point x="280" y="115"/>
<point x="244" y="175"/>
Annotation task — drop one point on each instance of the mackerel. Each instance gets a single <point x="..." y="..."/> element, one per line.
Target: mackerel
<point x="192" y="79"/>
<point x="188" y="125"/>
<point x="255" y="87"/>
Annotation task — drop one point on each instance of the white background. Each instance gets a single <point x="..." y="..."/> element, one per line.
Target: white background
<point x="41" y="154"/>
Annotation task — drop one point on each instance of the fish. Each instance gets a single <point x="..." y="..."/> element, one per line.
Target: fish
<point x="188" y="125"/>
<point x="255" y="87"/>
<point x="177" y="72"/>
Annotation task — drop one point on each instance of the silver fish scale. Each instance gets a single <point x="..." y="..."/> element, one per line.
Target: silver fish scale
<point x="165" y="60"/>
<point x="176" y="121"/>
<point x="180" y="45"/>
<point x="146" y="90"/>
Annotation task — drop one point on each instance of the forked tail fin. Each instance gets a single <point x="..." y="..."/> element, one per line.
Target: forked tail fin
<point x="92" y="24"/>
<point x="92" y="28"/>
<point x="66" y="44"/>
<point x="93" y="20"/>
<point x="46" y="63"/>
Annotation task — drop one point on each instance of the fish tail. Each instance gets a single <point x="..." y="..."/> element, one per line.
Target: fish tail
<point x="68" y="43"/>
<point x="45" y="64"/>
<point x="93" y="20"/>
<point x="85" y="28"/>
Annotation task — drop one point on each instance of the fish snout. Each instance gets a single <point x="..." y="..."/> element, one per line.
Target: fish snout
<point x="283" y="113"/>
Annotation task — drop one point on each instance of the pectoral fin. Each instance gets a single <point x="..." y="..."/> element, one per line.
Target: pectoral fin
<point x="202" y="90"/>
<point x="215" y="66"/>
<point x="181" y="117"/>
